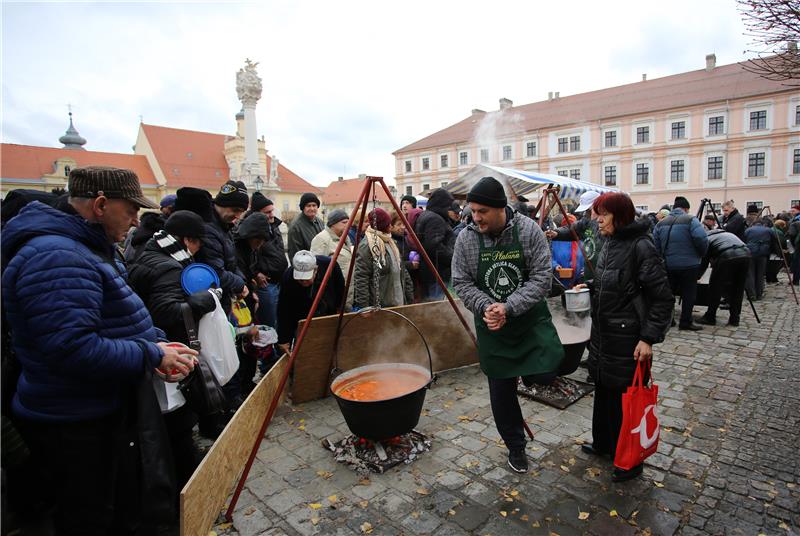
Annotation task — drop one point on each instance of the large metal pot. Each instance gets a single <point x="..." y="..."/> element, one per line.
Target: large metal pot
<point x="383" y="418"/>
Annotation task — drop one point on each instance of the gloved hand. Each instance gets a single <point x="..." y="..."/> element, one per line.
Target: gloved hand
<point x="201" y="302"/>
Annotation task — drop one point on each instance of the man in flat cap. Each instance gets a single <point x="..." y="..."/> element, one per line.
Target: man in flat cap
<point x="84" y="341"/>
<point x="501" y="271"/>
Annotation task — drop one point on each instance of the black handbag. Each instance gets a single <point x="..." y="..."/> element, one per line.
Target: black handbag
<point x="200" y="388"/>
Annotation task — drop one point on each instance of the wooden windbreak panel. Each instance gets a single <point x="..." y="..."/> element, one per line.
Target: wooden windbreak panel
<point x="205" y="494"/>
<point x="382" y="338"/>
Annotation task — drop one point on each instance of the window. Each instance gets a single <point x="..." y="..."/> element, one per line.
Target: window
<point x="426" y="187"/>
<point x="426" y="164"/>
<point x="575" y="143"/>
<point x="755" y="164"/>
<point x="714" y="168"/>
<point x="796" y="162"/>
<point x="797" y="115"/>
<point x="758" y="120"/>
<point x="444" y="184"/>
<point x="642" y="208"/>
<point x="611" y="138"/>
<point x="409" y="190"/>
<point x="484" y="155"/>
<point x="611" y="175"/>
<point x="530" y="148"/>
<point x="717" y="207"/>
<point x="676" y="171"/>
<point x="285" y="206"/>
<point x="679" y="130"/>
<point x="759" y="204"/>
<point x="575" y="174"/>
<point x="716" y="125"/>
<point x="443" y="161"/>
<point x="642" y="173"/>
<point x="642" y="134"/>
<point x="408" y="166"/>
<point x="563" y="146"/>
<point x="463" y="158"/>
<point x="506" y="152"/>
<point x="563" y="173"/>
<point x="794" y="203"/>
<point x="67" y="169"/>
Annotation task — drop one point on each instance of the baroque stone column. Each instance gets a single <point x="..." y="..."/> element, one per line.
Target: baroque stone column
<point x="248" y="88"/>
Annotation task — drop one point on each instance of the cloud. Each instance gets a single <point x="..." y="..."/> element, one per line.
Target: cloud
<point x="345" y="83"/>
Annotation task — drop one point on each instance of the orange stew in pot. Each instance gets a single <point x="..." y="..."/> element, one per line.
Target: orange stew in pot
<point x="382" y="384"/>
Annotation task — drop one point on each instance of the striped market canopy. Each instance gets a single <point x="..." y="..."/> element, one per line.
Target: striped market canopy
<point x="521" y="182"/>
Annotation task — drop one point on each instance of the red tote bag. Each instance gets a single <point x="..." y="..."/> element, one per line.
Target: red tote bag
<point x="638" y="436"/>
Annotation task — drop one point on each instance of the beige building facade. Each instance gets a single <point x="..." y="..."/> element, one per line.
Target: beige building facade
<point x="718" y="133"/>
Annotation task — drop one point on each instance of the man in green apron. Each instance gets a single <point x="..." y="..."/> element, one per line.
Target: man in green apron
<point x="501" y="271"/>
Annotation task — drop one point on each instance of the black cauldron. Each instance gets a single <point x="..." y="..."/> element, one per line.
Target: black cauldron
<point x="382" y="419"/>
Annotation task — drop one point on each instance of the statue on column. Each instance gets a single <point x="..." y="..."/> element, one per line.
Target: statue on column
<point x="248" y="83"/>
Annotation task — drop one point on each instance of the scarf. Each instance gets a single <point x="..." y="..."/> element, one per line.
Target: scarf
<point x="378" y="243"/>
<point x="169" y="245"/>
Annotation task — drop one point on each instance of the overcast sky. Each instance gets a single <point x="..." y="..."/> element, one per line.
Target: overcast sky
<point x="346" y="82"/>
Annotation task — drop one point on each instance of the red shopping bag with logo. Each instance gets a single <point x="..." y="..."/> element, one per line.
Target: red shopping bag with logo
<point x="638" y="436"/>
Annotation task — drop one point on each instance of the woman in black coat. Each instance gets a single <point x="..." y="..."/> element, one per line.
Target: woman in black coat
<point x="436" y="236"/>
<point x="632" y="308"/>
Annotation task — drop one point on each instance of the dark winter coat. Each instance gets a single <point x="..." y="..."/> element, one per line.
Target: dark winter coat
<point x="631" y="302"/>
<point x="734" y="223"/>
<point x="80" y="333"/>
<point x="294" y="301"/>
<point x="156" y="278"/>
<point x="723" y="245"/>
<point x="301" y="232"/>
<point x="273" y="253"/>
<point x="436" y="236"/>
<point x="218" y="252"/>
<point x="681" y="240"/>
<point x="758" y="239"/>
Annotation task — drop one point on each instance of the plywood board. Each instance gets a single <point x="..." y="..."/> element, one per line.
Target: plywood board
<point x="205" y="494"/>
<point x="382" y="337"/>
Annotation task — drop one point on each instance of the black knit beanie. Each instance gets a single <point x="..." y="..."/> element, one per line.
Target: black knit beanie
<point x="195" y="199"/>
<point x="259" y="201"/>
<point x="681" y="202"/>
<point x="411" y="199"/>
<point x="307" y="198"/>
<point x="233" y="194"/>
<point x="488" y="191"/>
<point x="254" y="226"/>
<point x="186" y="224"/>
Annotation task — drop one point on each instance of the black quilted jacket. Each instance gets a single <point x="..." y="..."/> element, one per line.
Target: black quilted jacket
<point x="631" y="301"/>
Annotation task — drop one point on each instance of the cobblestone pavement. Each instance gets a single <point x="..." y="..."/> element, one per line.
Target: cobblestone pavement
<point x="727" y="461"/>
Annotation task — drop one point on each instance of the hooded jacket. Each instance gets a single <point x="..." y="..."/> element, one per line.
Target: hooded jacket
<point x="631" y="301"/>
<point x="149" y="224"/>
<point x="218" y="252"/>
<point x="80" y="333"/>
<point x="436" y="236"/>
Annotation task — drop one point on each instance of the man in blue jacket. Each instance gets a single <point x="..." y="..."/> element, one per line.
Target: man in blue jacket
<point x="683" y="243"/>
<point x="84" y="340"/>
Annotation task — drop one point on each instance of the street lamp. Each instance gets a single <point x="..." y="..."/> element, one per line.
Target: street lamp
<point x="258" y="182"/>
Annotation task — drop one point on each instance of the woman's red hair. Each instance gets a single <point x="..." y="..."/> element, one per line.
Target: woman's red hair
<point x="618" y="205"/>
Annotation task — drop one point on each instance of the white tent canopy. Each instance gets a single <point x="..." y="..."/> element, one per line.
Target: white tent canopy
<point x="521" y="182"/>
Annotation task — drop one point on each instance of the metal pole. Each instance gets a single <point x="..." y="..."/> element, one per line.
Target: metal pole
<point x="415" y="241"/>
<point x="292" y="356"/>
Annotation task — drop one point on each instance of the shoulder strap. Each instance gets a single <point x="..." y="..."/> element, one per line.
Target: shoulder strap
<point x="191" y="328"/>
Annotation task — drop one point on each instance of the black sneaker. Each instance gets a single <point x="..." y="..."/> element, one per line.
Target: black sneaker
<point x="518" y="461"/>
<point x="621" y="475"/>
<point x="690" y="327"/>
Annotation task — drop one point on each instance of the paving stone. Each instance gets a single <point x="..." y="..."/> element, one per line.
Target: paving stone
<point x="470" y="516"/>
<point x="421" y="522"/>
<point x="251" y="521"/>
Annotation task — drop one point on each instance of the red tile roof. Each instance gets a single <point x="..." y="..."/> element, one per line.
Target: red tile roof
<point x="188" y="157"/>
<point x="347" y="191"/>
<point x="676" y="91"/>
<point x="31" y="162"/>
<point x="193" y="158"/>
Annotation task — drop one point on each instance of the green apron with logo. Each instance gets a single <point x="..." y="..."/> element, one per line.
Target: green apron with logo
<point x="526" y="344"/>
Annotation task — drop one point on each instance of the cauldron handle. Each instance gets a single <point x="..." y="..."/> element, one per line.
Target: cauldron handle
<point x="373" y="309"/>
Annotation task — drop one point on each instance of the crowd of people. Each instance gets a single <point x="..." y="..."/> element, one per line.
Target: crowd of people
<point x="97" y="317"/>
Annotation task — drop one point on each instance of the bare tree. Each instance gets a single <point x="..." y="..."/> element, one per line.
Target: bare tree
<point x="774" y="26"/>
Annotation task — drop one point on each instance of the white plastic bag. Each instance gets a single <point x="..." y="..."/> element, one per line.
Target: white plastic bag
<point x="266" y="336"/>
<point x="168" y="395"/>
<point x="217" y="346"/>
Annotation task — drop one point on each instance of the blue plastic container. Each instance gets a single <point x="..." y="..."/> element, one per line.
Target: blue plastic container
<point x="198" y="276"/>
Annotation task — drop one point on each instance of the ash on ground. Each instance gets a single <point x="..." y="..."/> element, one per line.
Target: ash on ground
<point x="364" y="455"/>
<point x="561" y="393"/>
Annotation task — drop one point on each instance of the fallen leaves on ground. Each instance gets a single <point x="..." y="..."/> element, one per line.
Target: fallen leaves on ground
<point x="333" y="498"/>
<point x="593" y="472"/>
<point x="613" y="513"/>
<point x="324" y="474"/>
<point x="503" y="513"/>
<point x="583" y="515"/>
<point x="658" y="484"/>
<point x="363" y="504"/>
<point x="366" y="527"/>
<point x="315" y="506"/>
<point x="364" y="482"/>
<point x="314" y="520"/>
<point x="565" y="468"/>
<point x="423" y="491"/>
<point x="523" y="517"/>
